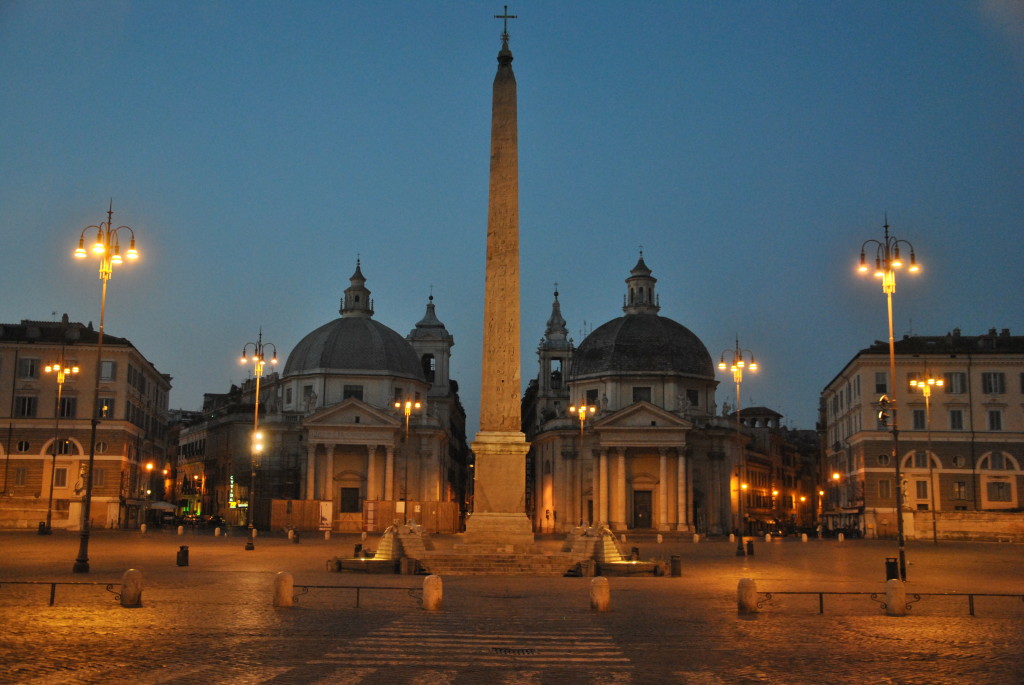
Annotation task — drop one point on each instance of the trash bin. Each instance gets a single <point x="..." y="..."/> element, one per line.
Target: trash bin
<point x="892" y="569"/>
<point x="43" y="529"/>
<point x="295" y="536"/>
<point x="677" y="566"/>
<point x="357" y="552"/>
<point x="183" y="555"/>
<point x="750" y="548"/>
<point x="634" y="554"/>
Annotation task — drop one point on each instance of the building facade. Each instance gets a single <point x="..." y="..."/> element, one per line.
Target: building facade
<point x="363" y="422"/>
<point x="650" y="450"/>
<point x="959" y="444"/>
<point x="47" y="443"/>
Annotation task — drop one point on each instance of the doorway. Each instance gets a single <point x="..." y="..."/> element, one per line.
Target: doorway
<point x="642" y="508"/>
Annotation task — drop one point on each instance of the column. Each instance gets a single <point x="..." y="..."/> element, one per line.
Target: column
<point x="620" y="490"/>
<point x="311" y="471"/>
<point x="682" y="492"/>
<point x="662" y="489"/>
<point x="325" y="474"/>
<point x="603" y="481"/>
<point x="595" y="487"/>
<point x="389" y="473"/>
<point x="372" y="487"/>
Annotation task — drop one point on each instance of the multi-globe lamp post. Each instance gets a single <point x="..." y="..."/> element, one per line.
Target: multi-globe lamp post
<point x="106" y="246"/>
<point x="887" y="262"/>
<point x="63" y="370"/>
<point x="256" y="353"/>
<point x="407" y="407"/>
<point x="736" y="363"/>
<point x="925" y="385"/>
<point x="582" y="411"/>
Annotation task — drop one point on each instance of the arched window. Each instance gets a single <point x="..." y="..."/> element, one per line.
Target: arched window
<point x="429" y="366"/>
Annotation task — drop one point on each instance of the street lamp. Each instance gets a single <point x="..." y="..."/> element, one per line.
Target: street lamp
<point x="736" y="364"/>
<point x="407" y="408"/>
<point x="887" y="262"/>
<point x="63" y="370"/>
<point x="258" y="357"/>
<point x="106" y="246"/>
<point x="581" y="411"/>
<point x="926" y="386"/>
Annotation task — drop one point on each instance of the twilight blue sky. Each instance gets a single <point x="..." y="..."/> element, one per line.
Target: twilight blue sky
<point x="751" y="147"/>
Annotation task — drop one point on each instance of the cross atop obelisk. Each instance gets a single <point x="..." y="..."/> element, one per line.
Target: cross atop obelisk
<point x="499" y="485"/>
<point x="506" y="17"/>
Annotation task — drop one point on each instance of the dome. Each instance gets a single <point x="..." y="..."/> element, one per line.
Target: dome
<point x="642" y="343"/>
<point x="354" y="344"/>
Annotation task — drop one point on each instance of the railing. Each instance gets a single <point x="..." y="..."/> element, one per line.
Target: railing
<point x="768" y="596"/>
<point x="414" y="592"/>
<point x="54" y="583"/>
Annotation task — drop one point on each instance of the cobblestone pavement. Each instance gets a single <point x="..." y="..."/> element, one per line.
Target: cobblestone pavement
<point x="213" y="621"/>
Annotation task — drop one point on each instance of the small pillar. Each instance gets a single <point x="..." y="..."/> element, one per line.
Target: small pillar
<point x="181" y="530"/>
<point x="840" y="537"/>
<point x="142" y="529"/>
<point x="216" y="532"/>
<point x="284" y="589"/>
<point x="746" y="596"/>
<point x="732" y="537"/>
<point x="291" y="533"/>
<point x="661" y="538"/>
<point x="803" y="537"/>
<point x="131" y="588"/>
<point x="327" y="535"/>
<point x="254" y="532"/>
<point x="895" y="598"/>
<point x="696" y="538"/>
<point x="600" y="594"/>
<point x="623" y="538"/>
<point x="767" y="537"/>
<point x="433" y="592"/>
<point x="363" y="536"/>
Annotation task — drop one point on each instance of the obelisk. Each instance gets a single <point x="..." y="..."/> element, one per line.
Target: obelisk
<point x="499" y="486"/>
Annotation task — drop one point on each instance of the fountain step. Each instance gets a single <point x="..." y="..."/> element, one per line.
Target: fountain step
<point x="475" y="564"/>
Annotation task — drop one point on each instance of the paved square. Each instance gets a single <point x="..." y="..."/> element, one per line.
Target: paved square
<point x="213" y="621"/>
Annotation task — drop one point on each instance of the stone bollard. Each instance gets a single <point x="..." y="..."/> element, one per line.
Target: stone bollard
<point x="216" y="532"/>
<point x="840" y="537"/>
<point x="142" y="529"/>
<point x="661" y="538"/>
<point x="803" y="537"/>
<point x="254" y="532"/>
<point x="131" y="588"/>
<point x="327" y="535"/>
<point x="895" y="598"/>
<point x="623" y="538"/>
<point x="746" y="596"/>
<point x="767" y="537"/>
<point x="284" y="589"/>
<point x="433" y="592"/>
<point x="181" y="530"/>
<point x="600" y="594"/>
<point x="732" y="537"/>
<point x="696" y="538"/>
<point x="363" y="536"/>
<point x="182" y="559"/>
<point x="291" y="533"/>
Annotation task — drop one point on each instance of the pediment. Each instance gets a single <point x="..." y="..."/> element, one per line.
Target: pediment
<point x="642" y="415"/>
<point x="352" y="412"/>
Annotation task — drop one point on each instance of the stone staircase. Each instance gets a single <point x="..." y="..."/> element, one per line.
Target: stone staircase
<point x="495" y="563"/>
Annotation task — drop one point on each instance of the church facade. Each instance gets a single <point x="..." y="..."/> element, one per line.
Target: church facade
<point x="624" y="431"/>
<point x="362" y="424"/>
